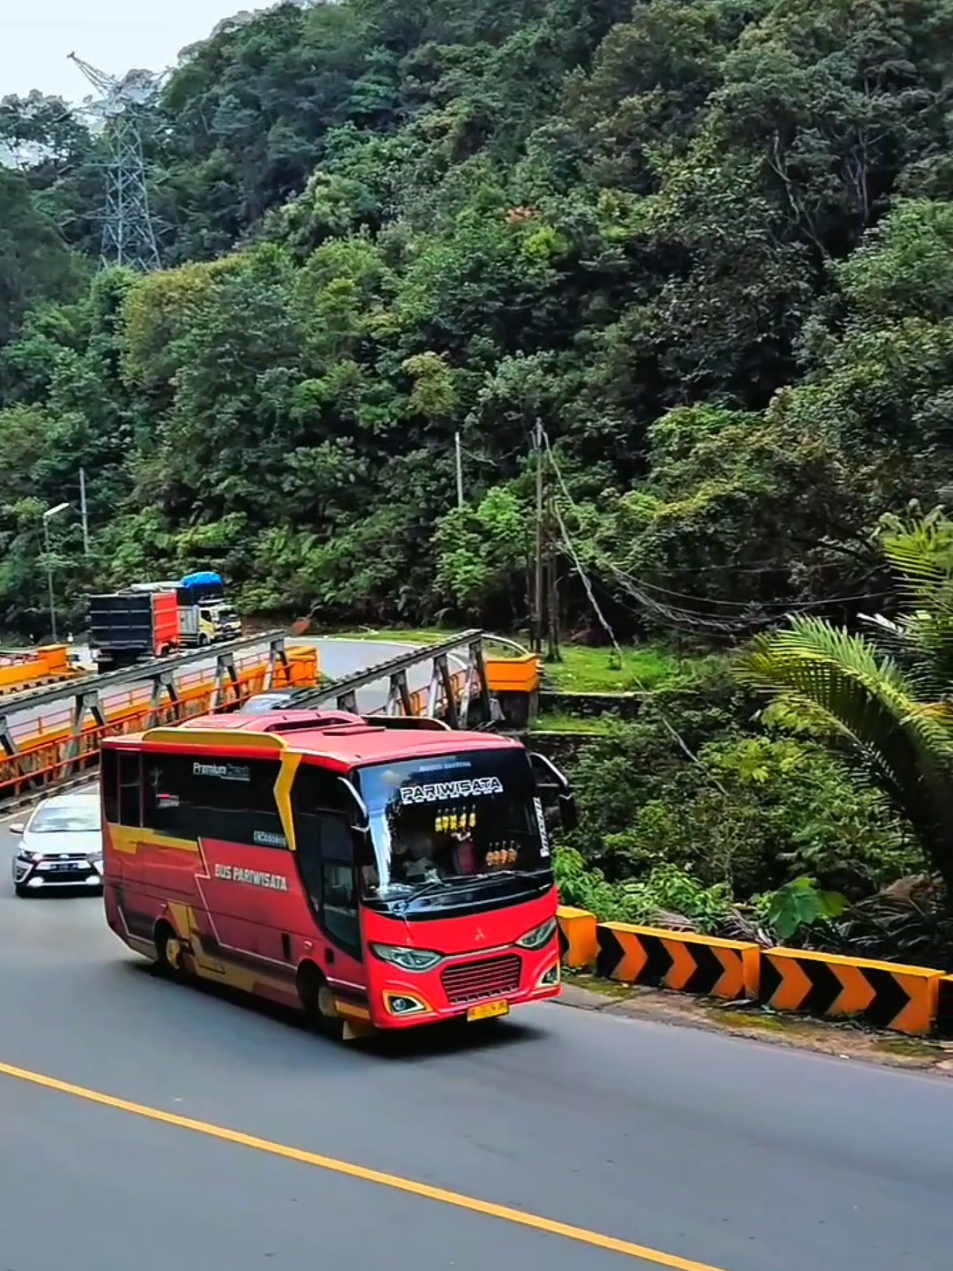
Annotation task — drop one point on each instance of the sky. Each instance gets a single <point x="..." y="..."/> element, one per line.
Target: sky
<point x="114" y="35"/>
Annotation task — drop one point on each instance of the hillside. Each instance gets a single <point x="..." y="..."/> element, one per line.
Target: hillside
<point x="707" y="244"/>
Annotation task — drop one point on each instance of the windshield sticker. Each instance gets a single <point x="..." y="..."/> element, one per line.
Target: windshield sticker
<point x="453" y="822"/>
<point x="256" y="877"/>
<point x="541" y="822"/>
<point x="441" y="765"/>
<point x="446" y="791"/>
<point x="224" y="771"/>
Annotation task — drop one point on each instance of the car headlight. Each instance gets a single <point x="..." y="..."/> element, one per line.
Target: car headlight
<point x="406" y="959"/>
<point x="25" y="854"/>
<point x="539" y="936"/>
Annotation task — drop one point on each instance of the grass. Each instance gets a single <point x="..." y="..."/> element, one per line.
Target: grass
<point x="581" y="670"/>
<point x="644" y="667"/>
<point x="910" y="1048"/>
<point x="557" y="722"/>
<point x="411" y="635"/>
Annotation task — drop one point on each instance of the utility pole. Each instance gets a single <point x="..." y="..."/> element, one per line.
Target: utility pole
<point x="459" y="457"/>
<point x="47" y="517"/>
<point x="539" y="607"/>
<point x="49" y="577"/>
<point x="552" y="589"/>
<point x="82" y="510"/>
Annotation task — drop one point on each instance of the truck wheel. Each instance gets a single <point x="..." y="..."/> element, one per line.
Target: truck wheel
<point x="317" y="1003"/>
<point x="203" y="641"/>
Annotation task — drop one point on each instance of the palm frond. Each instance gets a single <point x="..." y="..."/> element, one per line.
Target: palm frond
<point x="922" y="553"/>
<point x="869" y="701"/>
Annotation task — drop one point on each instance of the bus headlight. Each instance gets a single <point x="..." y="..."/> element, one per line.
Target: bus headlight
<point x="539" y="936"/>
<point x="406" y="959"/>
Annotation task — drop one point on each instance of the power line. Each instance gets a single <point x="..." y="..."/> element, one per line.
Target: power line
<point x="640" y="590"/>
<point x="584" y="578"/>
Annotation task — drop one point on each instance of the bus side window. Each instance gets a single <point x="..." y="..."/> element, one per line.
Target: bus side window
<point x="308" y="832"/>
<point x="130" y="788"/>
<point x="109" y="782"/>
<point x="166" y="804"/>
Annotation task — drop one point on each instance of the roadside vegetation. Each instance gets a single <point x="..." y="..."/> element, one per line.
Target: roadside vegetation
<point x="677" y="276"/>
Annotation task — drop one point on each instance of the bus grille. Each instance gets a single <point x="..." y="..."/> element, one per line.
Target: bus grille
<point x="472" y="981"/>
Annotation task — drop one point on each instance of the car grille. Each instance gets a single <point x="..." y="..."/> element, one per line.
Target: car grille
<point x="472" y="981"/>
<point x="74" y="863"/>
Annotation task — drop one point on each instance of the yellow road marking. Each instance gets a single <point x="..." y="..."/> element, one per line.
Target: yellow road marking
<point x="595" y="1239"/>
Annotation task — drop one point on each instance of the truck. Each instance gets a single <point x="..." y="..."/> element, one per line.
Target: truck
<point x="155" y="619"/>
<point x="204" y="616"/>
<point x="127" y="626"/>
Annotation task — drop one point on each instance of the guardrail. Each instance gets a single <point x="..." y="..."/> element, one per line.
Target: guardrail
<point x="886" y="995"/>
<point x="24" y="669"/>
<point x="53" y="735"/>
<point x="161" y="693"/>
<point x="449" y="693"/>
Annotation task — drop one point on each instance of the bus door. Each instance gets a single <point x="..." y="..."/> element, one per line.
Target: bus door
<point x="327" y="869"/>
<point x="121" y="782"/>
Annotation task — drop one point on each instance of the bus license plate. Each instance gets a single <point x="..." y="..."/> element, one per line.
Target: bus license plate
<point x="488" y="1010"/>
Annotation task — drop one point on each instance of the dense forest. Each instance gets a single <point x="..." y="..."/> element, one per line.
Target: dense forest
<point x="694" y="258"/>
<point x="706" y="243"/>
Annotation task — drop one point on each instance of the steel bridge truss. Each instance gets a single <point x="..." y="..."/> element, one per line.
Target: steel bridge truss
<point x="450" y="695"/>
<point x="33" y="759"/>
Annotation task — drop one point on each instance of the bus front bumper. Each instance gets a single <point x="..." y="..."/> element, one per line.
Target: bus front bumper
<point x="463" y="992"/>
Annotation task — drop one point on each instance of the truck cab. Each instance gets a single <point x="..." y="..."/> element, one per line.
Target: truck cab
<point x="204" y="615"/>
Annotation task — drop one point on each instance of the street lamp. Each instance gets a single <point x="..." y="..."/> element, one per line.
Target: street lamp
<point x="47" y="517"/>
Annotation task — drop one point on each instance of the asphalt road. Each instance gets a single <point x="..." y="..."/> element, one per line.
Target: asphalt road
<point x="714" y="1152"/>
<point x="338" y="659"/>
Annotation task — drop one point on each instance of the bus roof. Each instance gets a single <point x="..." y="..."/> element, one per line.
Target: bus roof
<point x="335" y="735"/>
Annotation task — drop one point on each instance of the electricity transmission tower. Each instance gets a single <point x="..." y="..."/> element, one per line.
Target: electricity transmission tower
<point x="129" y="229"/>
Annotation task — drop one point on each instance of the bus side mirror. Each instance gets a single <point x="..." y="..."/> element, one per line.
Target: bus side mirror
<point x="568" y="813"/>
<point x="362" y="837"/>
<point x="554" y="791"/>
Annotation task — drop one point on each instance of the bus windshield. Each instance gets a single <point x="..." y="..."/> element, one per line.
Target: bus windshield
<point x="451" y="819"/>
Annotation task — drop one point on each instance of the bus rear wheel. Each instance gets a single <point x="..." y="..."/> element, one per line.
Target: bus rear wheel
<point x="314" y="993"/>
<point x="170" y="953"/>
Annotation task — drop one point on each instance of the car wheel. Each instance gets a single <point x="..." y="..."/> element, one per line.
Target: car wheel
<point x="20" y="890"/>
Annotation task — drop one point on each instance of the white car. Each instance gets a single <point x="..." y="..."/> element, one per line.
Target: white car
<point x="61" y="844"/>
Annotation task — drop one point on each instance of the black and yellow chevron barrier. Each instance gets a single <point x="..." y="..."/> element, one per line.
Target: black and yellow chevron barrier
<point x="677" y="960"/>
<point x="884" y="994"/>
<point x="888" y="995"/>
<point x="944" y="1007"/>
<point x="577" y="936"/>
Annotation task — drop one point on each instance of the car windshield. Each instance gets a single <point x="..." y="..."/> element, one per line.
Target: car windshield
<point x="449" y="818"/>
<point x="266" y="702"/>
<point x="73" y="818"/>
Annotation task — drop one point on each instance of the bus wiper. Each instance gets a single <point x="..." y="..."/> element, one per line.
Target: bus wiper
<point x="426" y="888"/>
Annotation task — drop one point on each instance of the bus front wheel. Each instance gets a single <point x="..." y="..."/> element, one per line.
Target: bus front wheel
<point x="314" y="993"/>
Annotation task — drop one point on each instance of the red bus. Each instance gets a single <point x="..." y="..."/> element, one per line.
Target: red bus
<point x="373" y="871"/>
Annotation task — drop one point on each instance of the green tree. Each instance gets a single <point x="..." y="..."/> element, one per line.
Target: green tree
<point x="882" y="706"/>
